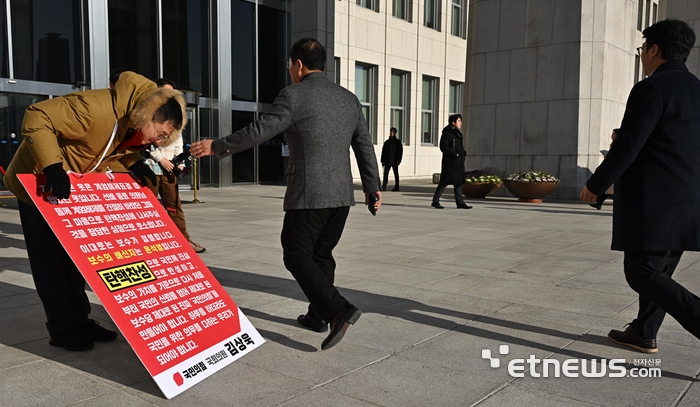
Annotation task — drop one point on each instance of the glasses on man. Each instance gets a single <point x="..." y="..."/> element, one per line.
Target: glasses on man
<point x="640" y="49"/>
<point x="289" y="63"/>
<point x="159" y="137"/>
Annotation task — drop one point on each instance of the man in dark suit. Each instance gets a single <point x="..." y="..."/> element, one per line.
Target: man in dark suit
<point x="654" y="163"/>
<point x="320" y="120"/>
<point x="392" y="153"/>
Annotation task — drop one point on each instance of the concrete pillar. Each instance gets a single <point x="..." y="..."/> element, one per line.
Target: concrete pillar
<point x="688" y="11"/>
<point x="546" y="83"/>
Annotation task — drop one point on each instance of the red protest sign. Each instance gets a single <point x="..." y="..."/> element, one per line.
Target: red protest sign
<point x="178" y="319"/>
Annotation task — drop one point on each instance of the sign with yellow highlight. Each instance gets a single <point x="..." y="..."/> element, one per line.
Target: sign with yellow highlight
<point x="126" y="276"/>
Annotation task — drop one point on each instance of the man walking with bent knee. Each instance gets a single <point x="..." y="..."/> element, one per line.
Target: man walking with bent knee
<point x="321" y="121"/>
<point x="654" y="165"/>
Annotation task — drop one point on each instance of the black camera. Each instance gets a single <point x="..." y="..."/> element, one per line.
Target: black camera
<point x="185" y="159"/>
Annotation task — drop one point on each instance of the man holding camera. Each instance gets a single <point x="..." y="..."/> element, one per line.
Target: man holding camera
<point x="159" y="159"/>
<point x="166" y="184"/>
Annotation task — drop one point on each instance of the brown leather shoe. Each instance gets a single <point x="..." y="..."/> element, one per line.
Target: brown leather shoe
<point x="198" y="248"/>
<point x="340" y="323"/>
<point x="630" y="339"/>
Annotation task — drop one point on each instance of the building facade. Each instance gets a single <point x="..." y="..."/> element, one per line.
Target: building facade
<point x="405" y="60"/>
<point x="540" y="83"/>
<point x="229" y="56"/>
<point x="548" y="80"/>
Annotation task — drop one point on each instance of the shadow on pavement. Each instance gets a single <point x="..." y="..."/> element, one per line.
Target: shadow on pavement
<point x="416" y="312"/>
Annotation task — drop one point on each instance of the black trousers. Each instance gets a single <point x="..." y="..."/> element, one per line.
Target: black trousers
<point x="58" y="282"/>
<point x="308" y="239"/>
<point x="649" y="274"/>
<point x="458" y="194"/>
<point x="386" y="175"/>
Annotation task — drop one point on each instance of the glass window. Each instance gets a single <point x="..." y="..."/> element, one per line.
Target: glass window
<point x="208" y="128"/>
<point x="458" y="18"/>
<point x="655" y="15"/>
<point x="648" y="11"/>
<point x="243" y="50"/>
<point x="133" y="36"/>
<point x="639" y="73"/>
<point x="4" y="57"/>
<point x="12" y="110"/>
<point x="336" y="66"/>
<point x="432" y="14"/>
<point x="640" y="14"/>
<point x="46" y="40"/>
<point x="399" y="104"/>
<point x="365" y="90"/>
<point x="273" y="50"/>
<point x="402" y="9"/>
<point x="243" y="169"/>
<point x="370" y="4"/>
<point x="455" y="97"/>
<point x="186" y="44"/>
<point x="429" y="110"/>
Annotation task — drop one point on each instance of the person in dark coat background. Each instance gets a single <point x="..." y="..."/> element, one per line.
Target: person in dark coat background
<point x="392" y="152"/>
<point x="654" y="163"/>
<point x="452" y="147"/>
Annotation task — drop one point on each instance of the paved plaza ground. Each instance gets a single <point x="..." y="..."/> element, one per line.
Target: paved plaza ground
<point x="436" y="287"/>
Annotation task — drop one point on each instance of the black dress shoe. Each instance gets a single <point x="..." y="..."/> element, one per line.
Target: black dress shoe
<point x="465" y="206"/>
<point x="436" y="205"/>
<point x="312" y="324"/>
<point x="395" y="189"/>
<point x="94" y="331"/>
<point x="340" y="323"/>
<point x="630" y="338"/>
<point x="72" y="340"/>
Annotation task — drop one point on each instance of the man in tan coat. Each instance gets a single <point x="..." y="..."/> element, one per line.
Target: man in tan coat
<point x="84" y="132"/>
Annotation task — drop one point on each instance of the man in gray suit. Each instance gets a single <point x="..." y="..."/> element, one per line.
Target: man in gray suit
<point x="320" y="120"/>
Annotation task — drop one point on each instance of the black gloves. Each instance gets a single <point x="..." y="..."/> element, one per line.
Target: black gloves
<point x="142" y="171"/>
<point x="57" y="181"/>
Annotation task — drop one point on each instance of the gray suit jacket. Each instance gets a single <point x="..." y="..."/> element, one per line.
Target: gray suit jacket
<point x="320" y="120"/>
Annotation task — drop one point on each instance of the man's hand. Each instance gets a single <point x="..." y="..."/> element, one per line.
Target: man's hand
<point x="166" y="164"/>
<point x="587" y="196"/>
<point x="379" y="199"/>
<point x="57" y="181"/>
<point x="201" y="148"/>
<point x="142" y="171"/>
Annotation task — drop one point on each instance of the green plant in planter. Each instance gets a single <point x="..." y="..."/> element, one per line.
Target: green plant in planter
<point x="477" y="176"/>
<point x="531" y="177"/>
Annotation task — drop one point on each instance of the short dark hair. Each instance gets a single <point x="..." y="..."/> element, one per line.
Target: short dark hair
<point x="616" y="130"/>
<point x="674" y="38"/>
<point x="165" y="81"/>
<point x="454" y="117"/>
<point x="393" y="129"/>
<point x="114" y="75"/>
<point x="310" y="52"/>
<point x="170" y="111"/>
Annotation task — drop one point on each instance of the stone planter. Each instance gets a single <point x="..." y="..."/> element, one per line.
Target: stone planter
<point x="531" y="191"/>
<point x="478" y="190"/>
